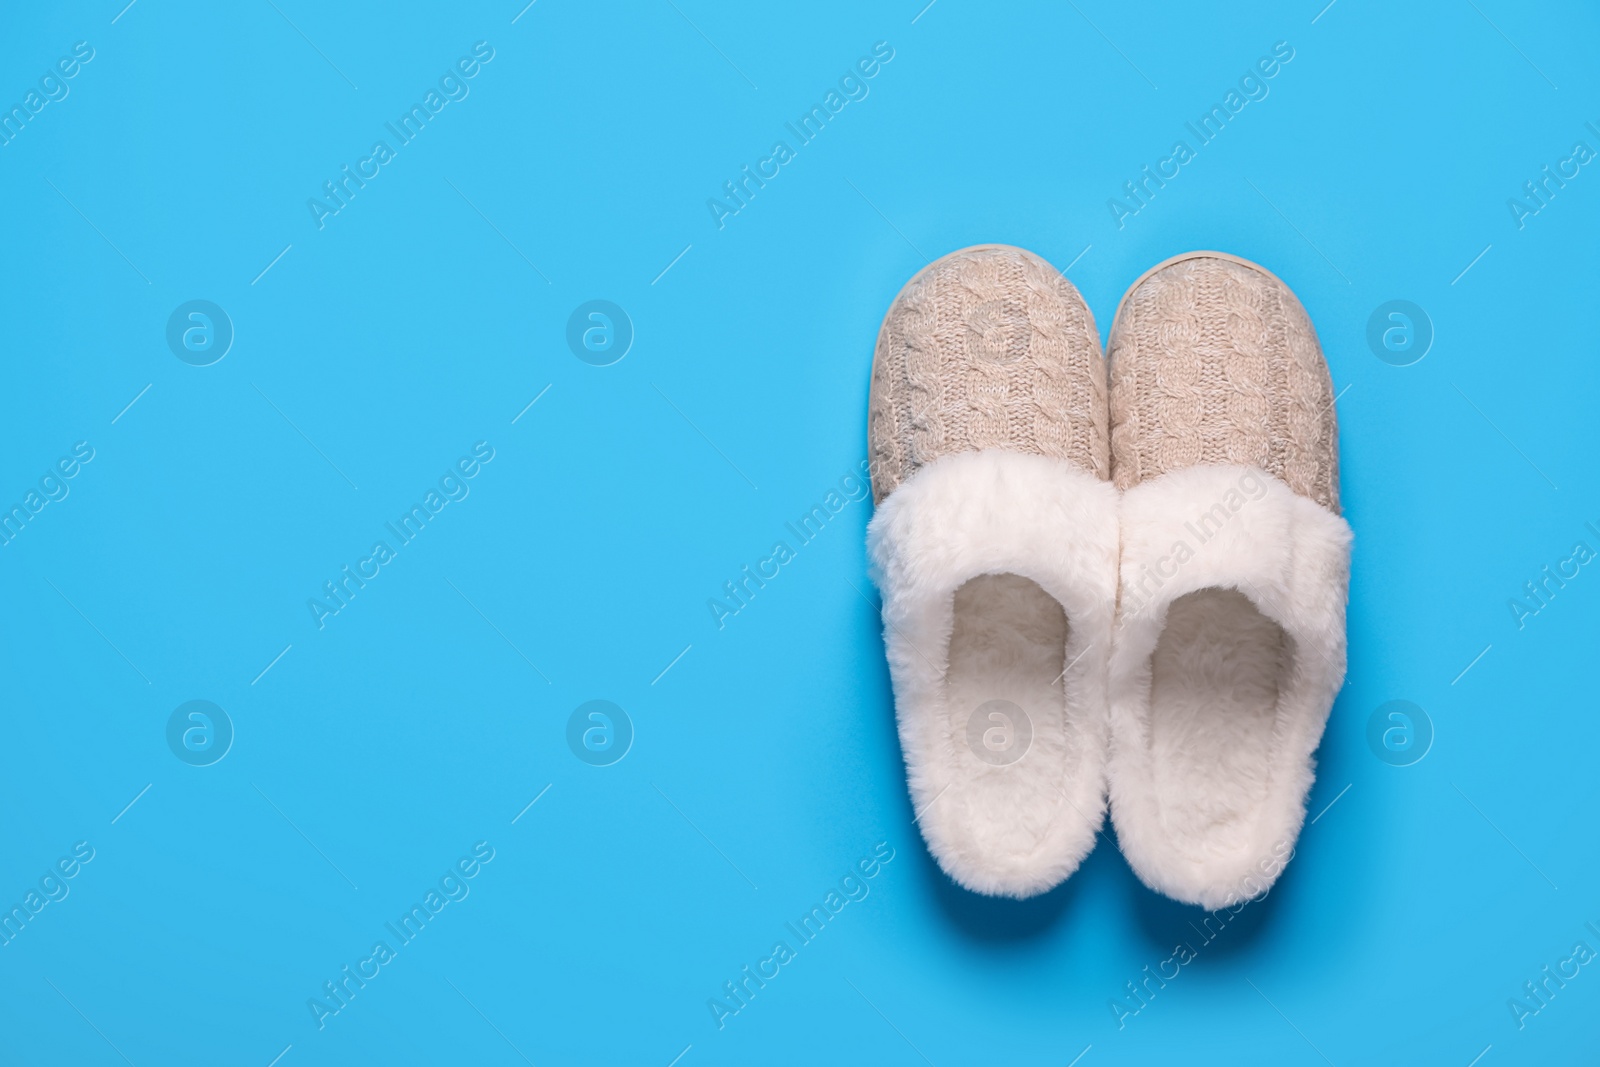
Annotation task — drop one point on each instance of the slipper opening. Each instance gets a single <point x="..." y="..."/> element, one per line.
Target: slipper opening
<point x="1215" y="680"/>
<point x="1005" y="694"/>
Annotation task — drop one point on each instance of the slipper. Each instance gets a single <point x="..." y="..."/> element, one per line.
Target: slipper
<point x="994" y="544"/>
<point x="1229" y="645"/>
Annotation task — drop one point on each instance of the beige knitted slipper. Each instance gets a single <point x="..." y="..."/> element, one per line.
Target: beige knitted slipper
<point x="1230" y="637"/>
<point x="995" y="547"/>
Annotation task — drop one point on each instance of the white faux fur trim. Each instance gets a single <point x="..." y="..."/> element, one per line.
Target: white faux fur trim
<point x="1020" y="828"/>
<point x="1219" y="700"/>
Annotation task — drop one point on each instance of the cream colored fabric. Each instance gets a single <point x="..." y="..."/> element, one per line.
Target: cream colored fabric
<point x="989" y="347"/>
<point x="995" y="547"/>
<point x="1229" y="644"/>
<point x="1213" y="361"/>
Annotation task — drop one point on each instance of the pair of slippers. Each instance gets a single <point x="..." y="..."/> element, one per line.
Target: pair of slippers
<point x="1129" y="590"/>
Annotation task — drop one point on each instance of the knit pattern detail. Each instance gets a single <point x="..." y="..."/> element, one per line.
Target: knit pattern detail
<point x="1215" y="362"/>
<point x="986" y="348"/>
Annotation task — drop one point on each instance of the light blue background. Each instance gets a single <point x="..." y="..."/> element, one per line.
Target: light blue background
<point x="416" y="323"/>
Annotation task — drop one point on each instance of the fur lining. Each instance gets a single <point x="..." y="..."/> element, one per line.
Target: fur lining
<point x="998" y="573"/>
<point x="1228" y="652"/>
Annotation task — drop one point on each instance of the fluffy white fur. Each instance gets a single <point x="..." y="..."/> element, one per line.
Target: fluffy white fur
<point x="1225" y="663"/>
<point x="998" y="574"/>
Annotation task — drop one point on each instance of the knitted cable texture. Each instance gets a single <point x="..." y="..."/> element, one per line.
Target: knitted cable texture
<point x="986" y="348"/>
<point x="1214" y="362"/>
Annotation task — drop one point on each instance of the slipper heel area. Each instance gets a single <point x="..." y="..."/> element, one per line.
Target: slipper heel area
<point x="1229" y="650"/>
